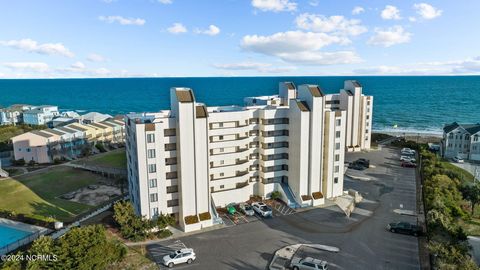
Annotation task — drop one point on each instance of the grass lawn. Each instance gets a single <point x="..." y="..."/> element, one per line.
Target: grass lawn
<point x="467" y="176"/>
<point x="113" y="159"/>
<point x="136" y="257"/>
<point x="36" y="194"/>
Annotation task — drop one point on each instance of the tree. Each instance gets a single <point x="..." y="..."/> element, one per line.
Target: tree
<point x="164" y="220"/>
<point x="471" y="193"/>
<point x="132" y="227"/>
<point x="275" y="195"/>
<point x="44" y="245"/>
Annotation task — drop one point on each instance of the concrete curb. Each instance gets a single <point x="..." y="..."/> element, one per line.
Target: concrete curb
<point x="359" y="177"/>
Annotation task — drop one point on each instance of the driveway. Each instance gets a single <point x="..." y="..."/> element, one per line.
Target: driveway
<point x="363" y="240"/>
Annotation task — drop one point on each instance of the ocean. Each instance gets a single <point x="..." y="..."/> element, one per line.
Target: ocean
<point x="417" y="104"/>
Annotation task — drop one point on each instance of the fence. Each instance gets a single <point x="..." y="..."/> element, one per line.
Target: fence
<point x="21" y="242"/>
<point x="98" y="211"/>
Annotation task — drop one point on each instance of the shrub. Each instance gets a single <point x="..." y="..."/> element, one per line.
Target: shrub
<point x="191" y="220"/>
<point x="101" y="147"/>
<point x="276" y="195"/>
<point x="31" y="163"/>
<point x="19" y="162"/>
<point x="317" y="195"/>
<point x="164" y="233"/>
<point x="205" y="216"/>
<point x="306" y="197"/>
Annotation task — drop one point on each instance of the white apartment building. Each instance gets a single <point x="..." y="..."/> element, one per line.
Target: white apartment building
<point x="461" y="140"/>
<point x="187" y="160"/>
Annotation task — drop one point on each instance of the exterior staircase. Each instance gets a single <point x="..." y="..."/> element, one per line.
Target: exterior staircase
<point x="216" y="218"/>
<point x="291" y="200"/>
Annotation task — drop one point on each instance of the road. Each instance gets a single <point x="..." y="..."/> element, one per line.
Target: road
<point x="363" y="240"/>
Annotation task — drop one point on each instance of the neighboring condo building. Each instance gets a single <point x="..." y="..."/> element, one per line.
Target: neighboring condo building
<point x="40" y="115"/>
<point x="461" y="140"/>
<point x="187" y="160"/>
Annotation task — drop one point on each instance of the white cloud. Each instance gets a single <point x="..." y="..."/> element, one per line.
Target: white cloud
<point x="78" y="65"/>
<point x="211" y="31"/>
<point x="333" y="24"/>
<point x="274" y="5"/>
<point x="122" y="20"/>
<point x="390" y="36"/>
<point x="27" y="66"/>
<point x="357" y="10"/>
<point x="412" y="19"/>
<point x="256" y="66"/>
<point x="427" y="11"/>
<point x="165" y="2"/>
<point x="30" y="45"/>
<point x="300" y="47"/>
<point x="469" y="66"/>
<point x="314" y="3"/>
<point x="177" y="28"/>
<point x="109" y="1"/>
<point x="391" y="13"/>
<point x="93" y="57"/>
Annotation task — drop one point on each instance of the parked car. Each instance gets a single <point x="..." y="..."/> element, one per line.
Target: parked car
<point x="407" y="151"/>
<point x="409" y="159"/>
<point x="408" y="164"/>
<point x="231" y="209"/>
<point x="364" y="162"/>
<point x="184" y="255"/>
<point x="405" y="228"/>
<point x="308" y="263"/>
<point x="262" y="209"/>
<point x="356" y="166"/>
<point x="458" y="159"/>
<point x="246" y="209"/>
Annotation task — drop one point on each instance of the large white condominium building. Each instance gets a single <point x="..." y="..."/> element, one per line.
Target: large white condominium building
<point x="189" y="159"/>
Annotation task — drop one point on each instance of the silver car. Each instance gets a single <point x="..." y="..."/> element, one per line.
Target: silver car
<point x="308" y="263"/>
<point x="246" y="209"/>
<point x="262" y="209"/>
<point x="184" y="255"/>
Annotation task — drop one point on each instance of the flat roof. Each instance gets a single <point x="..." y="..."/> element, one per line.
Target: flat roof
<point x="98" y="125"/>
<point x="56" y="132"/>
<point x="77" y="127"/>
<point x="69" y="130"/>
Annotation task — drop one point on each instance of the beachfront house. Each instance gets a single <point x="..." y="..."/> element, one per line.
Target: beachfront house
<point x="93" y="117"/>
<point x="40" y="115"/>
<point x="13" y="114"/>
<point x="461" y="140"/>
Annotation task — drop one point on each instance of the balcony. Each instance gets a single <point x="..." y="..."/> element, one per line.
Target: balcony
<point x="237" y="174"/>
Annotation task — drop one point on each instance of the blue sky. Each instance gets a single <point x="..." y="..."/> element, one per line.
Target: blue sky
<point x="125" y="38"/>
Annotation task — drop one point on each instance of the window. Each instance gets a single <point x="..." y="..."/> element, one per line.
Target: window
<point x="220" y="137"/>
<point x="154" y="211"/>
<point x="220" y="125"/>
<point x="337" y="157"/>
<point x="368" y="117"/>
<point x="337" y="145"/>
<point x="335" y="180"/>
<point x="338" y="122"/>
<point x="152" y="168"/>
<point x="172" y="189"/>
<point x="222" y="162"/>
<point x="172" y="203"/>
<point x="171" y="175"/>
<point x="221" y="150"/>
<point x="153" y="182"/>
<point x="150" y="138"/>
<point x="154" y="197"/>
<point x="222" y="186"/>
<point x="28" y="150"/>
<point x="337" y="169"/>
<point x="222" y="174"/>
<point x="151" y="153"/>
<point x="337" y="134"/>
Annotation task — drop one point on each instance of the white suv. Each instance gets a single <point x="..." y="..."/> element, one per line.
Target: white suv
<point x="262" y="209"/>
<point x="308" y="263"/>
<point x="408" y="159"/>
<point x="184" y="255"/>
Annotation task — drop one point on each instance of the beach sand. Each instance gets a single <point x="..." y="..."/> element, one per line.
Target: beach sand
<point x="420" y="137"/>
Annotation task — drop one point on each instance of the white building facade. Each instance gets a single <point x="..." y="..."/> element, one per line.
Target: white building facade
<point x="193" y="158"/>
<point x="40" y="115"/>
<point x="461" y="140"/>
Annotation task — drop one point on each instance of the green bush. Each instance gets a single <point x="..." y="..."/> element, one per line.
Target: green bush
<point x="100" y="147"/>
<point x="276" y="195"/>
<point x="19" y="162"/>
<point x="164" y="233"/>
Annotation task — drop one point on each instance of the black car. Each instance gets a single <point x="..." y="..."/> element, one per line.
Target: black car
<point x="405" y="228"/>
<point x="356" y="166"/>
<point x="364" y="162"/>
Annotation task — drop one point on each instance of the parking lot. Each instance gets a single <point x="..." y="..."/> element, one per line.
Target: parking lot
<point x="362" y="238"/>
<point x="278" y="209"/>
